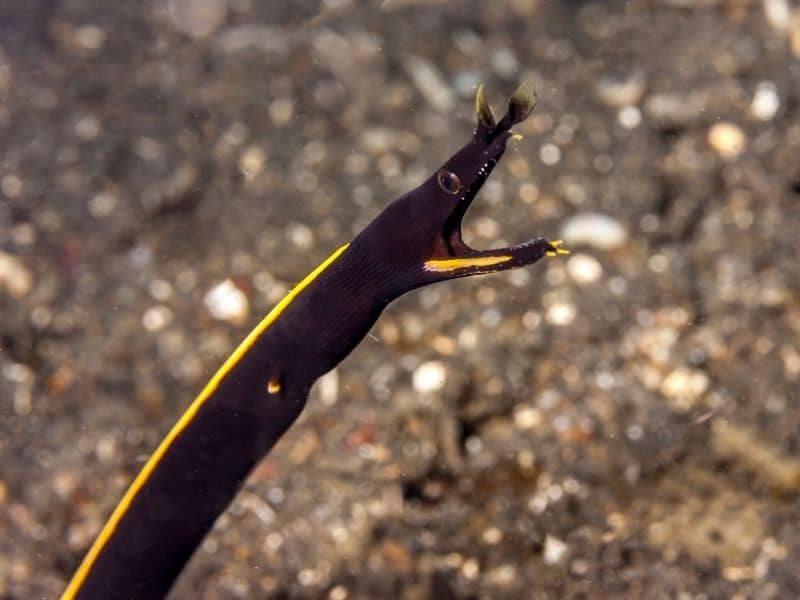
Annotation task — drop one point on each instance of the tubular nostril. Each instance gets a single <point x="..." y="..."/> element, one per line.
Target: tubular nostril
<point x="522" y="102"/>
<point x="483" y="110"/>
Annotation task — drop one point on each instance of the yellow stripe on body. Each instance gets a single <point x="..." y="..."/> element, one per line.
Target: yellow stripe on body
<point x="453" y="264"/>
<point x="141" y="479"/>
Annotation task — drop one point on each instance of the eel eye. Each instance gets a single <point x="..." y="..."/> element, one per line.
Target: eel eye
<point x="449" y="182"/>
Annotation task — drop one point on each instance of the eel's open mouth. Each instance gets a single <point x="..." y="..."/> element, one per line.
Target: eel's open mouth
<point x="478" y="159"/>
<point x="451" y="232"/>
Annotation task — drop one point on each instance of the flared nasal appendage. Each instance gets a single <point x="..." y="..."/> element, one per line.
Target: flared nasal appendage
<point x="520" y="106"/>
<point x="483" y="110"/>
<point x="522" y="102"/>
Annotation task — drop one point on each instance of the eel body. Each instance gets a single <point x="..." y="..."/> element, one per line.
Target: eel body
<point x="261" y="389"/>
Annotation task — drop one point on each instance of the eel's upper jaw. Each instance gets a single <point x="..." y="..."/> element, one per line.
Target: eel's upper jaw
<point x="495" y="135"/>
<point x="451" y="231"/>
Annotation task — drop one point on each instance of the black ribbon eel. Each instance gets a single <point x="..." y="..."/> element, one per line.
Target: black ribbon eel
<point x="261" y="389"/>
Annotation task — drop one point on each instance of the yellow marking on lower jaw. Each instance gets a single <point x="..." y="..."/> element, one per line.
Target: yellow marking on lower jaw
<point x="141" y="479"/>
<point x="453" y="264"/>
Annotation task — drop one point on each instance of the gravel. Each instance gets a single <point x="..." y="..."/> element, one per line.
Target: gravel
<point x="621" y="423"/>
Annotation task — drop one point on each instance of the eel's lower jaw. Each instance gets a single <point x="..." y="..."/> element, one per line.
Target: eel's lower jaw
<point x="475" y="262"/>
<point x="458" y="248"/>
<point x="525" y="253"/>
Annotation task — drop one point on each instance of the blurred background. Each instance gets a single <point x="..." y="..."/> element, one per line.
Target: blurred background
<point x="622" y="422"/>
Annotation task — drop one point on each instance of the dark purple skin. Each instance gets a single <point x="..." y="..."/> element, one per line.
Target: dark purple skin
<point x="240" y="422"/>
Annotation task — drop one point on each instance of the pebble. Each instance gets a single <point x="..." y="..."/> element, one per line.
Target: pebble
<point x="251" y="161"/>
<point x="629" y="117"/>
<point x="197" y="18"/>
<point x="778" y="13"/>
<point x="14" y="277"/>
<point x="307" y="577"/>
<point x="281" y="111"/>
<point x="594" y="229"/>
<point x="766" y="101"/>
<point x="430" y="83"/>
<point x="90" y="37"/>
<point x="106" y="448"/>
<point x="603" y="163"/>
<point x="486" y="227"/>
<point x="584" y="268"/>
<point x="492" y="536"/>
<point x="727" y="139"/>
<point x="273" y="41"/>
<point x="88" y="127"/>
<point x="148" y="149"/>
<point x="429" y="377"/>
<point x="528" y="192"/>
<point x="561" y="314"/>
<point x="156" y="318"/>
<point x="554" y="550"/>
<point x="378" y="140"/>
<point x="676" y="109"/>
<point x="102" y="204"/>
<point x="397" y="556"/>
<point x="444" y="345"/>
<point x="160" y="289"/>
<point x="328" y="386"/>
<point x="527" y="417"/>
<point x="338" y="592"/>
<point x="491" y="317"/>
<point x="226" y="302"/>
<point x="470" y="569"/>
<point x="531" y="320"/>
<point x="470" y="43"/>
<point x="550" y="154"/>
<point x="618" y="92"/>
<point x="685" y="386"/>
<point x="504" y="62"/>
<point x="300" y="235"/>
<point x="502" y="576"/>
<point x="466" y="82"/>
<point x="11" y="186"/>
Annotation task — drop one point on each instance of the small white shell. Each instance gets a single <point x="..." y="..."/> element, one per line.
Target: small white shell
<point x="594" y="229"/>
